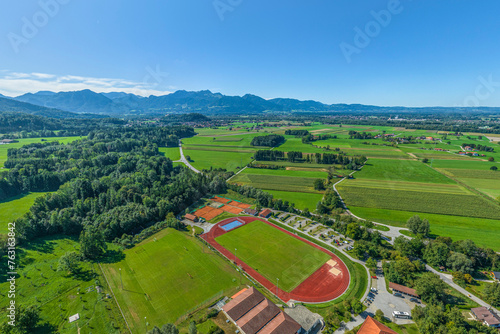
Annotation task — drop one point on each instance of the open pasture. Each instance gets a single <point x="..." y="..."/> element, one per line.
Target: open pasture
<point x="60" y="294"/>
<point x="203" y="159"/>
<point x="273" y="253"/>
<point x="173" y="153"/>
<point x="15" y="207"/>
<point x="167" y="275"/>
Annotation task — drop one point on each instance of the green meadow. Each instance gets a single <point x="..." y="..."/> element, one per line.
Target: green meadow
<point x="173" y="153"/>
<point x="484" y="232"/>
<point x="204" y="159"/>
<point x="300" y="199"/>
<point x="167" y="275"/>
<point x="60" y="294"/>
<point x="15" y="207"/>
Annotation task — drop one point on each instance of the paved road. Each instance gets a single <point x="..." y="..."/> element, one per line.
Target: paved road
<point x="393" y="232"/>
<point x="184" y="161"/>
<point x="448" y="279"/>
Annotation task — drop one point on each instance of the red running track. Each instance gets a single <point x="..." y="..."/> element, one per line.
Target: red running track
<point x="320" y="287"/>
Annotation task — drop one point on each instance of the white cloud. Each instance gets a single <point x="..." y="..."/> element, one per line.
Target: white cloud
<point x="16" y="83"/>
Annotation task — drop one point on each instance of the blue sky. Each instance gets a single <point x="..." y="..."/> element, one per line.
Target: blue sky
<point x="418" y="53"/>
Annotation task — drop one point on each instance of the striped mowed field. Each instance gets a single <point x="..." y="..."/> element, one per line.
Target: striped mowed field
<point x="166" y="276"/>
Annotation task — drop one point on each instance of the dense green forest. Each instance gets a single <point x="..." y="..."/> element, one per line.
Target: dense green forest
<point x="18" y="125"/>
<point x="269" y="140"/>
<point x="115" y="181"/>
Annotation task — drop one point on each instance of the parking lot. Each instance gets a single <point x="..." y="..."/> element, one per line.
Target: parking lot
<point x="387" y="302"/>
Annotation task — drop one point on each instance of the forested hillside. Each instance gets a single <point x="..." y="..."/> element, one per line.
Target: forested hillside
<point x="115" y="182"/>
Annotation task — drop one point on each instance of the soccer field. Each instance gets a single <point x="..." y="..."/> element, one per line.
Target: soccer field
<point x="274" y="254"/>
<point x="166" y="276"/>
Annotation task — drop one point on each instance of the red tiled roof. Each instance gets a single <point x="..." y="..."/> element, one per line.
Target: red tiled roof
<point x="372" y="326"/>
<point x="254" y="313"/>
<point x="403" y="289"/>
<point x="265" y="212"/>
<point x="240" y="305"/>
<point x="190" y="217"/>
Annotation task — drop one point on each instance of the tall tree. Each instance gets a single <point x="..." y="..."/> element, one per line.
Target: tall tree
<point x="92" y="244"/>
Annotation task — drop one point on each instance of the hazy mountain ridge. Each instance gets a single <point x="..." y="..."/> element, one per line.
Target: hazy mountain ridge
<point x="122" y="104"/>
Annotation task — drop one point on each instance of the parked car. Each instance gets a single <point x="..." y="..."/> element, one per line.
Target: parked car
<point x="374" y="277"/>
<point x="397" y="294"/>
<point x="374" y="290"/>
<point x="415" y="300"/>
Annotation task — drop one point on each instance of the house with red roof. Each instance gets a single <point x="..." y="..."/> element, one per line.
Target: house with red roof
<point x="372" y="326"/>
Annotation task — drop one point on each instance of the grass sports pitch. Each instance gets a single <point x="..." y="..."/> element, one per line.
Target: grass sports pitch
<point x="274" y="254"/>
<point x="166" y="276"/>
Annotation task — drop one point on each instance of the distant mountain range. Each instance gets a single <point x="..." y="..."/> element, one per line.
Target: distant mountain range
<point x="119" y="104"/>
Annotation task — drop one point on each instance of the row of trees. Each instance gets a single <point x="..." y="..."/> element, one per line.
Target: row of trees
<point x="269" y="140"/>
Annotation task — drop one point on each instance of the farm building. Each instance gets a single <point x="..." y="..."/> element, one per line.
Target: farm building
<point x="191" y="217"/>
<point x="250" y="212"/>
<point x="496" y="275"/>
<point x="251" y="312"/>
<point x="372" y="326"/>
<point x="403" y="289"/>
<point x="266" y="213"/>
<point x="486" y="316"/>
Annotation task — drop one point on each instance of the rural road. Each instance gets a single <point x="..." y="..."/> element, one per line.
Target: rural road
<point x="184" y="160"/>
<point x="449" y="280"/>
<point x="393" y="232"/>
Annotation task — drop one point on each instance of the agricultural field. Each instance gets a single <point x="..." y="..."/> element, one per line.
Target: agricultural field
<point x="166" y="276"/>
<point x="60" y="294"/>
<point x="420" y="201"/>
<point x="294" y="186"/>
<point x="281" y="180"/>
<point x="15" y="207"/>
<point x="204" y="159"/>
<point x="484" y="232"/>
<point x="22" y="142"/>
<point x="263" y="248"/>
<point x="401" y="170"/>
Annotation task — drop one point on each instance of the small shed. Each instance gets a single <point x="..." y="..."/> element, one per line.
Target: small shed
<point x="496" y="275"/>
<point x="403" y="289"/>
<point x="250" y="212"/>
<point x="191" y="217"/>
<point x="266" y="213"/>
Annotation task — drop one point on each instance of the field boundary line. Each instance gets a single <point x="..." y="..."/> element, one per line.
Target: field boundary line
<point x="111" y="289"/>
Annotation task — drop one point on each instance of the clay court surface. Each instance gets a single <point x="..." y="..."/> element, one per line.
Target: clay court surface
<point x="328" y="282"/>
<point x="209" y="212"/>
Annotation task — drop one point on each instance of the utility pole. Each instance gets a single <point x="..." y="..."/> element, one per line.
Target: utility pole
<point x="235" y="255"/>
